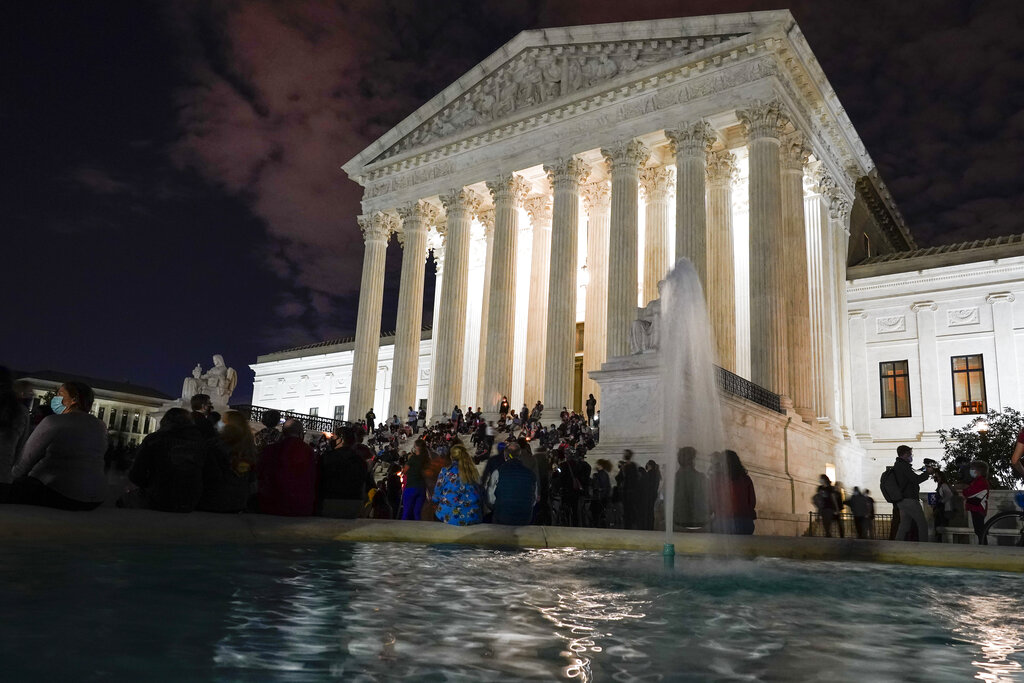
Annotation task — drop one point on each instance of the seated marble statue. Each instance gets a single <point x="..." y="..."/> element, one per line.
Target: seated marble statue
<point x="645" y="332"/>
<point x="220" y="381"/>
<point x="193" y="385"/>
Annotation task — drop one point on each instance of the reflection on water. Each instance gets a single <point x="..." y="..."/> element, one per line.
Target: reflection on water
<point x="380" y="612"/>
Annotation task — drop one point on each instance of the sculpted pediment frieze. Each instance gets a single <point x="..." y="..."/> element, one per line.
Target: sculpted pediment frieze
<point x="540" y="76"/>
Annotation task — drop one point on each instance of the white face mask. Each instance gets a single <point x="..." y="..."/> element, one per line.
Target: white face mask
<point x="220" y="425"/>
<point x="974" y="473"/>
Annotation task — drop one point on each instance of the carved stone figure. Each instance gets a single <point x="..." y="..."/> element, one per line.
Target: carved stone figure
<point x="645" y="332"/>
<point x="220" y="381"/>
<point x="193" y="385"/>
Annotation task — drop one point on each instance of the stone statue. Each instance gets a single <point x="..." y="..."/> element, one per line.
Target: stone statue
<point x="645" y="332"/>
<point x="193" y="385"/>
<point x="218" y="383"/>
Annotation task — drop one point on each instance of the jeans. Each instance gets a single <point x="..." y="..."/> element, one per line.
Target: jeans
<point x="413" y="498"/>
<point x="911" y="514"/>
<point x="978" y="520"/>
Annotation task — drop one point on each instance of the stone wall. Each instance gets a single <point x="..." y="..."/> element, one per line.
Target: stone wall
<point x="784" y="455"/>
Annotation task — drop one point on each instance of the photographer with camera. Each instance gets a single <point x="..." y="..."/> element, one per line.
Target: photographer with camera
<point x="909" y="484"/>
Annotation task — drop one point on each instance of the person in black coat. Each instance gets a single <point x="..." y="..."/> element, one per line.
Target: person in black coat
<point x="168" y="467"/>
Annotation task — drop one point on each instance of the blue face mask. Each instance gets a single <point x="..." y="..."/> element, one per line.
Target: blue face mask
<point x="57" y="405"/>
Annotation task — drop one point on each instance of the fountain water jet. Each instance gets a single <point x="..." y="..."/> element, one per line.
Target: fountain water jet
<point x="692" y="414"/>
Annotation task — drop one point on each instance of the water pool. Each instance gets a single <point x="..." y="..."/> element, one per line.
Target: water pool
<point x="374" y="612"/>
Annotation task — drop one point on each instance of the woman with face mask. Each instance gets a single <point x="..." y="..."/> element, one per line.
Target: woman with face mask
<point x="61" y="465"/>
<point x="976" y="497"/>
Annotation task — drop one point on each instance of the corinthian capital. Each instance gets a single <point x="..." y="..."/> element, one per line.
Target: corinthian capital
<point x="423" y="214"/>
<point x="567" y="173"/>
<point x="509" y="188"/>
<point x="691" y="139"/>
<point x="378" y="226"/>
<point x="794" y="151"/>
<point x="539" y="208"/>
<point x="626" y="156"/>
<point x="721" y="166"/>
<point x="486" y="218"/>
<point x="460" y="200"/>
<point x="657" y="182"/>
<point x="597" y="196"/>
<point x="763" y="120"/>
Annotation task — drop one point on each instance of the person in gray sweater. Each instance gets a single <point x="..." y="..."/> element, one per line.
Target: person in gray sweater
<point x="61" y="465"/>
<point x="13" y="430"/>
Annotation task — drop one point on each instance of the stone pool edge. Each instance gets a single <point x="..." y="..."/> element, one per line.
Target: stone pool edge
<point x="24" y="524"/>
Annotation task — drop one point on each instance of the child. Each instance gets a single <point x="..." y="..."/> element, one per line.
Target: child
<point x="976" y="497"/>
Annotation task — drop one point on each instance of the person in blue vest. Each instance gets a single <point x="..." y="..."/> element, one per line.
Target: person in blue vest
<point x="512" y="490"/>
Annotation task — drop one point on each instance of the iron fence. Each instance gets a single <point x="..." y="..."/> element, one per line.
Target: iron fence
<point x="312" y="423"/>
<point x="737" y="386"/>
<point x="878" y="526"/>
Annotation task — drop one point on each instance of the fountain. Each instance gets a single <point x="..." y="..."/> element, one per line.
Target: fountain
<point x="691" y="413"/>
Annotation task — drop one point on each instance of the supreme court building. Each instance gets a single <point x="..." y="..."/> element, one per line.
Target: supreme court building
<point x="556" y="183"/>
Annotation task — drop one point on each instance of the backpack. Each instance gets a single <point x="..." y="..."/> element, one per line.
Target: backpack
<point x="890" y="488"/>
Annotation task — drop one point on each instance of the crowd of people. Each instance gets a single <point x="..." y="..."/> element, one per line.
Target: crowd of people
<point x="463" y="470"/>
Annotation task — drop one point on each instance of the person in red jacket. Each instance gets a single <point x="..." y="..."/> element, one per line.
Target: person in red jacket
<point x="976" y="497"/>
<point x="288" y="475"/>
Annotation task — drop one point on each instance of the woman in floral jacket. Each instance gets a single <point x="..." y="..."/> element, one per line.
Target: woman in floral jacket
<point x="457" y="492"/>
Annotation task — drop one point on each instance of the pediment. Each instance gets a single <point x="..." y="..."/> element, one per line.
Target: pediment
<point x="541" y="69"/>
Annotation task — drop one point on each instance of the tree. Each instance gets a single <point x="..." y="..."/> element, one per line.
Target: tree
<point x="990" y="438"/>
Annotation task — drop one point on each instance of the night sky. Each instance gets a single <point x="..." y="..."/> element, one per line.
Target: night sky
<point x="172" y="184"/>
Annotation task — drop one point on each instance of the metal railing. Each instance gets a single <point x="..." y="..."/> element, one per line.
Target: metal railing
<point x="312" y="423"/>
<point x="732" y="383"/>
<point x="878" y="526"/>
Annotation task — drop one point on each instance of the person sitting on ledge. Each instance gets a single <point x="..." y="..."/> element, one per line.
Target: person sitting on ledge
<point x="287" y="474"/>
<point x="61" y="465"/>
<point x="168" y="467"/>
<point x="512" y="490"/>
<point x="456" y="495"/>
<point x="228" y="468"/>
<point x="344" y="480"/>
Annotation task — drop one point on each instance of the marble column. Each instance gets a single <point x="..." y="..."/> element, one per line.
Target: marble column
<point x="658" y="184"/>
<point x="768" y="354"/>
<point x="416" y="219"/>
<point x="625" y="161"/>
<point x="1006" y="348"/>
<point x="597" y="199"/>
<point x="460" y="206"/>
<point x="861" y="377"/>
<point x="508" y="192"/>
<point x="377" y="229"/>
<point x="794" y="152"/>
<point x="721" y="284"/>
<point x="435" y="241"/>
<point x="486" y="218"/>
<point x="692" y="142"/>
<point x="560" y="357"/>
<point x="928" y="363"/>
<point x="539" y="209"/>
<point x="820" y="266"/>
<point x="839" y="221"/>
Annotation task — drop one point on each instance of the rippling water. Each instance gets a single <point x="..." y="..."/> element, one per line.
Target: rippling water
<point x="376" y="612"/>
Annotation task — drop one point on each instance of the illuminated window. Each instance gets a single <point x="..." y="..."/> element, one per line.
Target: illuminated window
<point x="895" y="388"/>
<point x="968" y="385"/>
<point x="101" y="411"/>
<point x="135" y="423"/>
<point x="124" y="420"/>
